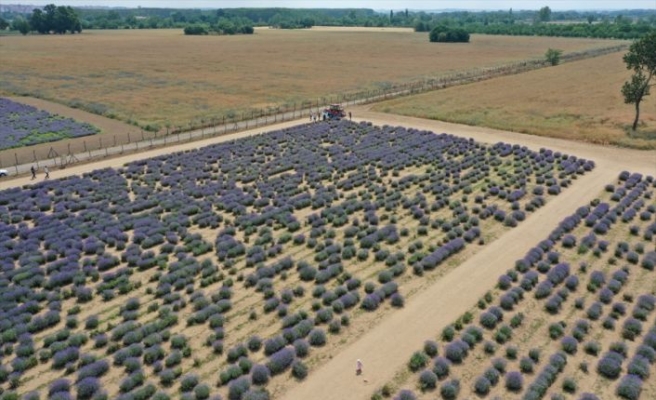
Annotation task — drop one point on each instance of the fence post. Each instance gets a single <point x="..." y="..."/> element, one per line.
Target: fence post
<point x="16" y="157"/>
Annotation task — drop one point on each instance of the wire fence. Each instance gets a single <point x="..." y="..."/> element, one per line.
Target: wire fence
<point x="61" y="154"/>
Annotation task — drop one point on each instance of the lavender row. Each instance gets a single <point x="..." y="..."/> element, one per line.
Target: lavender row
<point x="24" y="125"/>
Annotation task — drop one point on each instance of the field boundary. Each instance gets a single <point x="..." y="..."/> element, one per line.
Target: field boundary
<point x="60" y="155"/>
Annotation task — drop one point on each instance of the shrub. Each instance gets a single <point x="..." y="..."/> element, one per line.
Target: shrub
<point x="202" y="392"/>
<point x="492" y="375"/>
<point x="482" y="385"/>
<point x="594" y="311"/>
<point x="592" y="348"/>
<point x="427" y="380"/>
<point x="317" y="337"/>
<point x="631" y="328"/>
<point x="488" y="320"/>
<point x="449" y="390"/>
<point x="526" y="365"/>
<point x="499" y="364"/>
<point x="514" y="381"/>
<point x="569" y="385"/>
<point x="511" y="352"/>
<point x="610" y="365"/>
<point x="569" y="344"/>
<point x="441" y="367"/>
<point x="629" y="387"/>
<point x="456" y="351"/>
<point x="271" y="345"/>
<point x="396" y="300"/>
<point x="280" y="361"/>
<point x="301" y="348"/>
<point x="430" y="348"/>
<point x="405" y="395"/>
<point x="238" y="387"/>
<point x="188" y="382"/>
<point x="489" y="347"/>
<point x="87" y="387"/>
<point x="254" y="343"/>
<point x="260" y="374"/>
<point x="299" y="370"/>
<point x="418" y="361"/>
<point x="639" y="366"/>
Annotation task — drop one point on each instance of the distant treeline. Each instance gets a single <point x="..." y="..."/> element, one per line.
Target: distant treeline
<point x="625" y="24"/>
<point x="49" y="19"/>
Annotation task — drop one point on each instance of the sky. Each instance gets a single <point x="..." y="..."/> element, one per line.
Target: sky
<point x="375" y="4"/>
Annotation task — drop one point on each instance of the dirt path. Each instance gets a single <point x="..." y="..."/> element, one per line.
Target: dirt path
<point x="388" y="346"/>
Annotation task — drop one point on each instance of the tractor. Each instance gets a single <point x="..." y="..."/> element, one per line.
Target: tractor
<point x="334" y="111"/>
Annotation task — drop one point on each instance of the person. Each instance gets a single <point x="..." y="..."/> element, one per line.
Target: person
<point x="358" y="367"/>
<point x="33" y="170"/>
<point x="47" y="171"/>
<point x="349" y="115"/>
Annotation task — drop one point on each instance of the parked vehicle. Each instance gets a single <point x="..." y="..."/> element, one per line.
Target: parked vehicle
<point x="334" y="111"/>
<point x="3" y="172"/>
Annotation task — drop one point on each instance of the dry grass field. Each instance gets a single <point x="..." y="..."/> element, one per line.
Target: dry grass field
<point x="162" y="77"/>
<point x="579" y="101"/>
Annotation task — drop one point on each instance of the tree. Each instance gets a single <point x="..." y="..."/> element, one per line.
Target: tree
<point x="55" y="19"/>
<point x="3" y="24"/>
<point x="544" y="15"/>
<point x="38" y="21"/>
<point x="553" y="56"/>
<point x="641" y="58"/>
<point x="443" y="33"/>
<point x="21" y="25"/>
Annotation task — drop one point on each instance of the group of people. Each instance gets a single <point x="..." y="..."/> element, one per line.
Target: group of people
<point x="45" y="169"/>
<point x="314" y="117"/>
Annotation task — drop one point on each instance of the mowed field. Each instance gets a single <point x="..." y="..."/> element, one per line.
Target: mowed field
<point x="162" y="77"/>
<point x="579" y="101"/>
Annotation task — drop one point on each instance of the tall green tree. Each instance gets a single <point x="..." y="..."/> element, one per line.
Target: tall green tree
<point x="544" y="15"/>
<point x="57" y="19"/>
<point x="21" y="25"/>
<point x="38" y="21"/>
<point x="641" y="58"/>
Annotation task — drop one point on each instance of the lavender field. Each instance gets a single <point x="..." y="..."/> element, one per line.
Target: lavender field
<point x="24" y="125"/>
<point x="253" y="258"/>
<point x="574" y="318"/>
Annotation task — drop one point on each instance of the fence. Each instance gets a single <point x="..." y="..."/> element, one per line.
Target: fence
<point x="62" y="154"/>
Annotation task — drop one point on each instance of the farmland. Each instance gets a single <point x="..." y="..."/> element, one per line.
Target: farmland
<point x="577" y="101"/>
<point x="23" y="125"/>
<point x="222" y="258"/>
<point x="574" y="315"/>
<point x="262" y="265"/>
<point x="161" y="78"/>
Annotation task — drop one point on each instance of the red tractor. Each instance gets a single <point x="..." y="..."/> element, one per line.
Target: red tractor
<point x="334" y="111"/>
